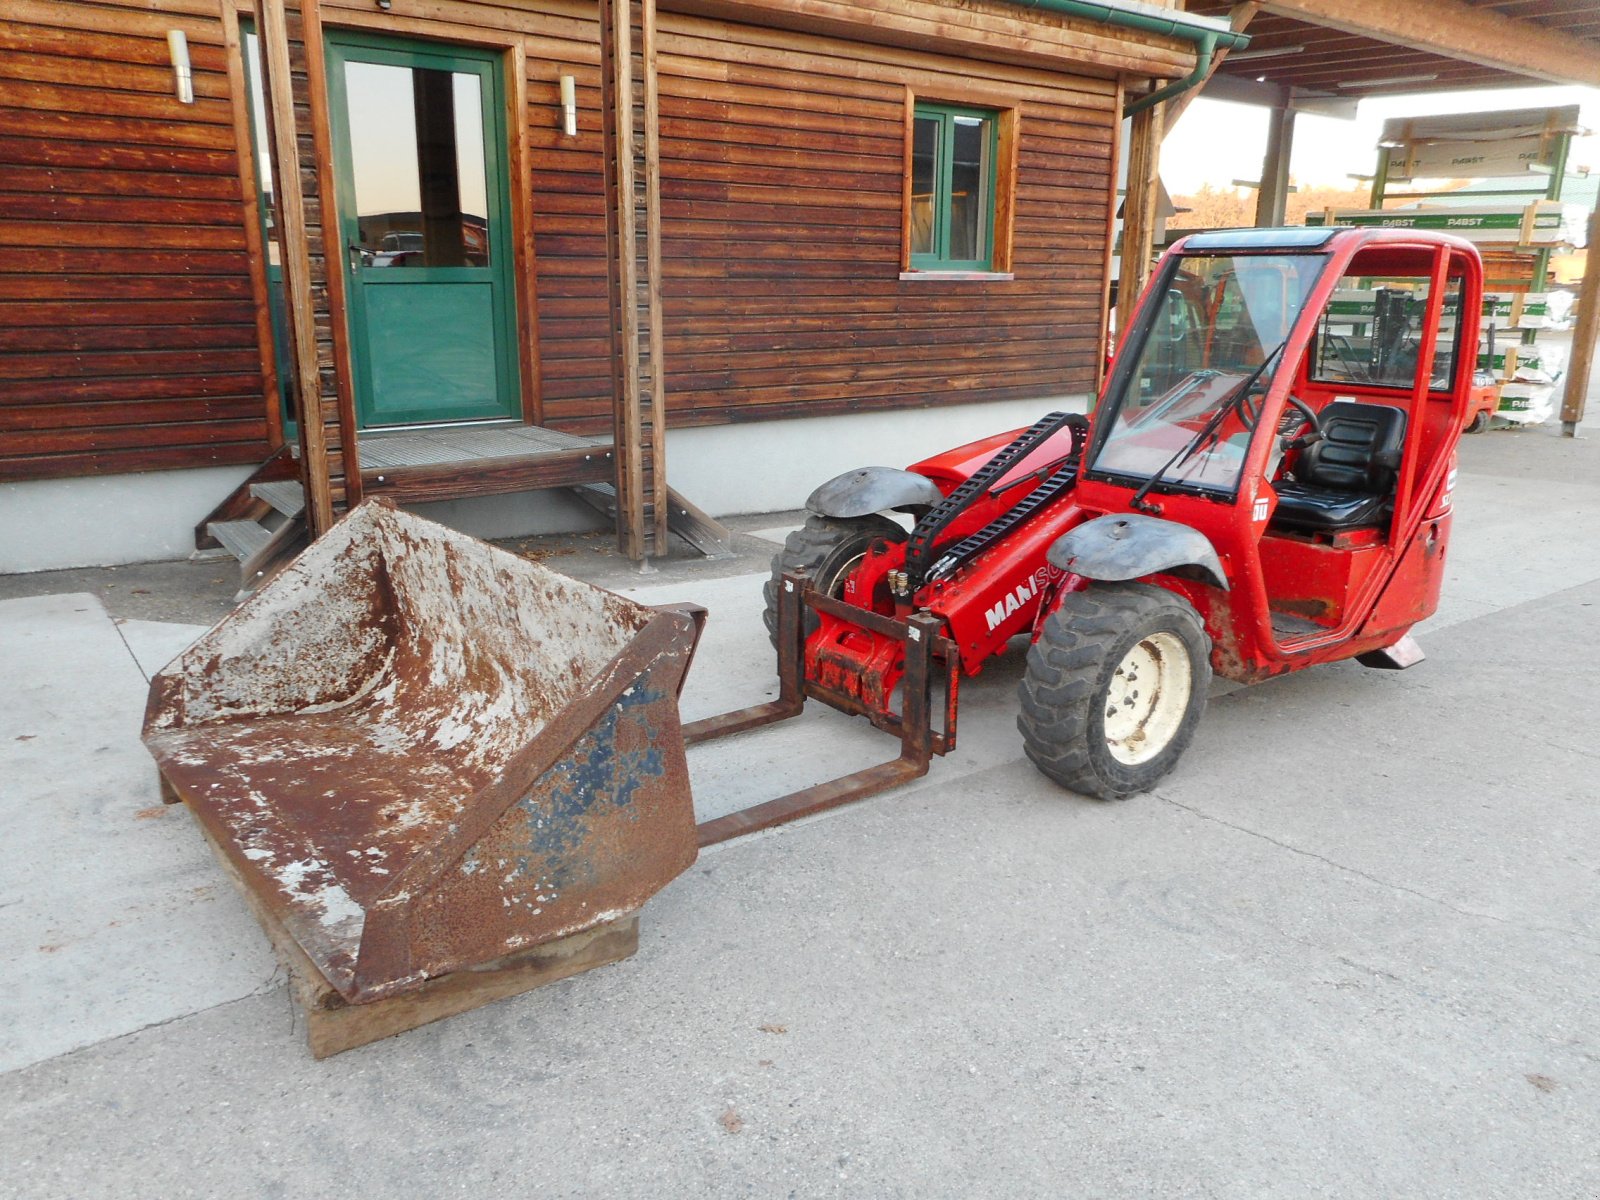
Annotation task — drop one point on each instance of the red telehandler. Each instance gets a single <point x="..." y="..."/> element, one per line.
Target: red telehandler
<point x="1263" y="486"/>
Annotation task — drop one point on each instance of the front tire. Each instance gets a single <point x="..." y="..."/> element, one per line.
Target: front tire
<point x="828" y="550"/>
<point x="1114" y="688"/>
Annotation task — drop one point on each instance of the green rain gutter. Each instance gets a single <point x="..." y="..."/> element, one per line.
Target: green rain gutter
<point x="1205" y="37"/>
<point x="1205" y="49"/>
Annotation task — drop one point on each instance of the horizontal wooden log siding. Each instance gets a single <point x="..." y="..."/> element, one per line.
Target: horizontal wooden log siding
<point x="128" y="324"/>
<point x="782" y="167"/>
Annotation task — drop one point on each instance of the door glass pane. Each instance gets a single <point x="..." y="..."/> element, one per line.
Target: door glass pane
<point x="471" y="189"/>
<point x="417" y="154"/>
<point x="266" y="198"/>
<point x="258" y="119"/>
<point x="969" y="175"/>
<point x="924" y="177"/>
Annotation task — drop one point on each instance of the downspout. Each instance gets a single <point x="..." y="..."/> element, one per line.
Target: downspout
<point x="1205" y="38"/>
<point x="1204" y="50"/>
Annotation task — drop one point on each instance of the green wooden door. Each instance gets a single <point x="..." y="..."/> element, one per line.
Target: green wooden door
<point x="425" y="229"/>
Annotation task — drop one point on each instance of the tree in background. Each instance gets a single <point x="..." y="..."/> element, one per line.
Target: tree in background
<point x="1235" y="208"/>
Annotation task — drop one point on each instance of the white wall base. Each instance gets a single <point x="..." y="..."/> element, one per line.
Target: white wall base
<point x="771" y="466"/>
<point x="107" y="520"/>
<point x="766" y="466"/>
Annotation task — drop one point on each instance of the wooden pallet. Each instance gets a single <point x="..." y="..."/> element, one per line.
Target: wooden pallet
<point x="334" y="1025"/>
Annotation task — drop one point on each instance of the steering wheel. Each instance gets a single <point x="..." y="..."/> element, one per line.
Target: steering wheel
<point x="1314" y="434"/>
<point x="1250" y="413"/>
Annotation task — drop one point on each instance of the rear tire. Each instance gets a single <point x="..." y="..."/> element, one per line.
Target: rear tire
<point x="1480" y="422"/>
<point x="827" y="550"/>
<point x="1114" y="688"/>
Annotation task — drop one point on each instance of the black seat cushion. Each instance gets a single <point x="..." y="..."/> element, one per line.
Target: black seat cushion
<point x="1346" y="480"/>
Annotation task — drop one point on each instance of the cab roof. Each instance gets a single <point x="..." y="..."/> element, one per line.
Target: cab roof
<point x="1295" y="237"/>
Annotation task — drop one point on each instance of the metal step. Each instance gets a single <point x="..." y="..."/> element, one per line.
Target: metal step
<point x="244" y="539"/>
<point x="273" y="555"/>
<point x="287" y="496"/>
<point x="602" y="497"/>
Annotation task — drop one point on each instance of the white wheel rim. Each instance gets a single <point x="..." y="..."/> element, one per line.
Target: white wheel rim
<point x="1147" y="697"/>
<point x="835" y="583"/>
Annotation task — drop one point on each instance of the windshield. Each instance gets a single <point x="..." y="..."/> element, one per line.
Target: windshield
<point x="1219" y="319"/>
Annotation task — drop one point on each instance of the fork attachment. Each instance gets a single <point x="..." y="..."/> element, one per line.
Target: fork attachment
<point x="926" y="650"/>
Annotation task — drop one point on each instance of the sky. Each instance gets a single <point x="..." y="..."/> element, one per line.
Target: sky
<point x="1217" y="143"/>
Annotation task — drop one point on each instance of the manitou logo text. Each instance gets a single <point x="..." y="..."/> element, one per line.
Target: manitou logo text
<point x="1024" y="592"/>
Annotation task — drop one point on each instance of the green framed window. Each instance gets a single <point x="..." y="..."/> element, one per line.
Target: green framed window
<point x="951" y="187"/>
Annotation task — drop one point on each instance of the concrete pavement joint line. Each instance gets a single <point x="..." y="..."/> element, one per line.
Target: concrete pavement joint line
<point x="271" y="986"/>
<point x="1574" y="934"/>
<point x="137" y="665"/>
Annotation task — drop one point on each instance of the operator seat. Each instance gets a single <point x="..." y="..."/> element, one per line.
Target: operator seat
<point x="1345" y="480"/>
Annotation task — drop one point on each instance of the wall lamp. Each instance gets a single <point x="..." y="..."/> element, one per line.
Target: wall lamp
<point x="569" y="105"/>
<point x="182" y="72"/>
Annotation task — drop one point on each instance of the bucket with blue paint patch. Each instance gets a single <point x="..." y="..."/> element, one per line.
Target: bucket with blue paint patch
<point x="424" y="754"/>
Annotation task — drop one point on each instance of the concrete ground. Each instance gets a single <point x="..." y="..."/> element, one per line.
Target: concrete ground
<point x="1351" y="947"/>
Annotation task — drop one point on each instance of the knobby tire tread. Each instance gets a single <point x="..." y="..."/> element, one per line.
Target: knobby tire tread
<point x="1063" y="676"/>
<point x="810" y="546"/>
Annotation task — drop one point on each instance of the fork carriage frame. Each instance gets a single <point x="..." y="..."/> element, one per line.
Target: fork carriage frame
<point x="928" y="653"/>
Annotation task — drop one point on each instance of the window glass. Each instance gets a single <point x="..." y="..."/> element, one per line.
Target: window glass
<point x="1218" y="321"/>
<point x="924" y="177"/>
<point x="1372" y="333"/>
<point x="258" y="129"/>
<point x="417" y="160"/>
<point x="969" y="192"/>
<point x="952" y="170"/>
<point x="266" y="199"/>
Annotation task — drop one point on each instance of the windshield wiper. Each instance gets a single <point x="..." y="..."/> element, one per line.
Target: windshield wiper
<point x="1207" y="432"/>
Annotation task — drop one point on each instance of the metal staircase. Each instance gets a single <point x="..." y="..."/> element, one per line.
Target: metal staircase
<point x="262" y="524"/>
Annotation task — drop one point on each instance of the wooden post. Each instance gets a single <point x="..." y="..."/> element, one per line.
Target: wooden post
<point x="1139" y="211"/>
<point x="1380" y="181"/>
<point x="632" y="166"/>
<point x="1272" y="197"/>
<point x="1585" y="333"/>
<point x="294" y="253"/>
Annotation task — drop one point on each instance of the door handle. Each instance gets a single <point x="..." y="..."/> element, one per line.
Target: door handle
<point x="355" y="252"/>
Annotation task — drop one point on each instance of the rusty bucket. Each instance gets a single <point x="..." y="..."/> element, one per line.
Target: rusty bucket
<point x="424" y="754"/>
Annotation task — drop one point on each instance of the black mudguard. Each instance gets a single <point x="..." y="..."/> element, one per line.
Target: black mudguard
<point x="1116" y="548"/>
<point x="871" y="490"/>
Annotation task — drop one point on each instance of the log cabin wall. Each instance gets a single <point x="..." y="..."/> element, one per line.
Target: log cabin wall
<point x="783" y="160"/>
<point x="130" y="289"/>
<point x="783" y="173"/>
